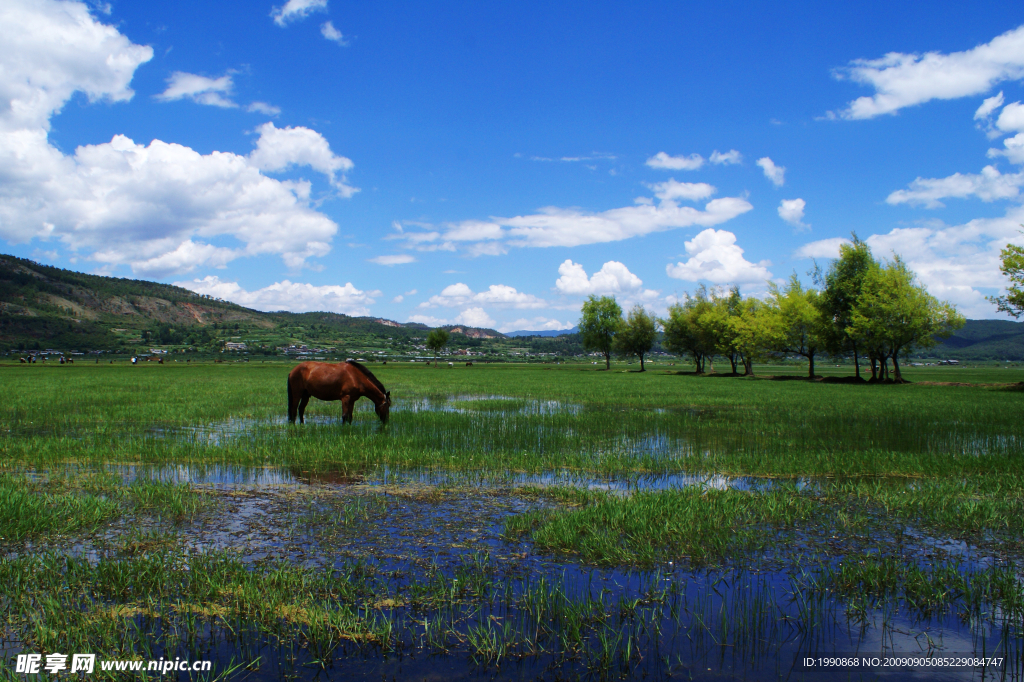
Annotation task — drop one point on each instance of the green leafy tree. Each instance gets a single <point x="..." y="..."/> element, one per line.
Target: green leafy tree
<point x="601" y="320"/>
<point x="895" y="314"/>
<point x="436" y="340"/>
<point x="841" y="289"/>
<point x="1013" y="267"/>
<point x="637" y="335"/>
<point x="754" y="332"/>
<point x="687" y="329"/>
<point x="798" y="320"/>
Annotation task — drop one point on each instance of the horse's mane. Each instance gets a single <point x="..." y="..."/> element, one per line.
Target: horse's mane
<point x="368" y="374"/>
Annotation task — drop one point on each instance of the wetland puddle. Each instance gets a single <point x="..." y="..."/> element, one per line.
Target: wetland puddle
<point x="461" y="601"/>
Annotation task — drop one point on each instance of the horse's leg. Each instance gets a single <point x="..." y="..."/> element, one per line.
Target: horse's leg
<point x="347" y="403"/>
<point x="291" y="403"/>
<point x="303" y="401"/>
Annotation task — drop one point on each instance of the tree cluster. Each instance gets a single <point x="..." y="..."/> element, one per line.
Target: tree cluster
<point x="863" y="308"/>
<point x="603" y="329"/>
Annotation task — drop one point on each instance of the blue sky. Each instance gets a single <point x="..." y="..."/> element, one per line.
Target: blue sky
<point x="492" y="164"/>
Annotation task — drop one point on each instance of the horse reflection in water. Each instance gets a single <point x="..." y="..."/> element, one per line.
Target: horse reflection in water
<point x="345" y="381"/>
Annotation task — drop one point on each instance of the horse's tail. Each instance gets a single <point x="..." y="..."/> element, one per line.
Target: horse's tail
<point x="292" y="407"/>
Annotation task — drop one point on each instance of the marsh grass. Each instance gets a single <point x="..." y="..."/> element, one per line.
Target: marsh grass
<point x="698" y="524"/>
<point x="849" y="466"/>
<point x="78" y="503"/>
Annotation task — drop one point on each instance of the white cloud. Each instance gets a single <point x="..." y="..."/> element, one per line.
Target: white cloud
<point x="291" y="296"/>
<point x="954" y="262"/>
<point x="263" y="108"/>
<point x="501" y="295"/>
<point x="959" y="263"/>
<point x="570" y="227"/>
<point x="988" y="185"/>
<point x="792" y="211"/>
<point x="536" y="324"/>
<point x="774" y="173"/>
<point x="428" y="320"/>
<point x="159" y="208"/>
<point x="398" y="259"/>
<point x="200" y="89"/>
<point x="1011" y="118"/>
<point x="280" y="148"/>
<point x="475" y="317"/>
<point x="574" y="227"/>
<point x="902" y="80"/>
<point x="715" y="257"/>
<point x="689" y="191"/>
<point x="988" y="106"/>
<point x="823" y="248"/>
<point x="730" y="157"/>
<point x="612" y="278"/>
<point x="294" y="10"/>
<point x="664" y="161"/>
<point x="398" y="299"/>
<point x="328" y="31"/>
<point x="50" y="50"/>
<point x="1013" y="149"/>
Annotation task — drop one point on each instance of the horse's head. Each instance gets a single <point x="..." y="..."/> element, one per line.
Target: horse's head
<point x="384" y="408"/>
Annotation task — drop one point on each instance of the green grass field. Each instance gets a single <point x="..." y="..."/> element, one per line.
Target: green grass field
<point x="489" y="495"/>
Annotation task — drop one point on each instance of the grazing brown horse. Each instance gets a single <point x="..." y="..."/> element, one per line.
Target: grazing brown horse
<point x="345" y="381"/>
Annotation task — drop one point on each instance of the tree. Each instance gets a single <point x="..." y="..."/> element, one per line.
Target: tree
<point x="637" y="335"/>
<point x="896" y="314"/>
<point x="798" y="320"/>
<point x="601" y="320"/>
<point x="1013" y="267"/>
<point x="841" y="289"/>
<point x="436" y="340"/>
<point x="686" y="333"/>
<point x="754" y="331"/>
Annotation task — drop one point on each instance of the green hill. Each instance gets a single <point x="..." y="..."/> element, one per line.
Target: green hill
<point x="47" y="307"/>
<point x="982" y="340"/>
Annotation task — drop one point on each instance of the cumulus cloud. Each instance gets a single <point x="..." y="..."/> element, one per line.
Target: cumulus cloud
<point x="294" y="297"/>
<point x="278" y="149"/>
<point x="988" y="185"/>
<point x="200" y="89"/>
<point x="294" y="10"/>
<point x="792" y="211"/>
<point x="664" y="161"/>
<point x="50" y="50"/>
<point x="823" y="248"/>
<point x="1013" y="149"/>
<point x="613" y="278"/>
<point x="159" y="208"/>
<point x="535" y="324"/>
<point x="397" y="259"/>
<point x="500" y="295"/>
<point x="730" y="157"/>
<point x="328" y="31"/>
<point x="774" y="173"/>
<point x="1011" y="118"/>
<point x="474" y="317"/>
<point x="959" y="263"/>
<point x="901" y="80"/>
<point x="715" y="257"/>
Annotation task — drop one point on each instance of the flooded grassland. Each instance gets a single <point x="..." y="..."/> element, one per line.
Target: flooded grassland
<point x="529" y="522"/>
